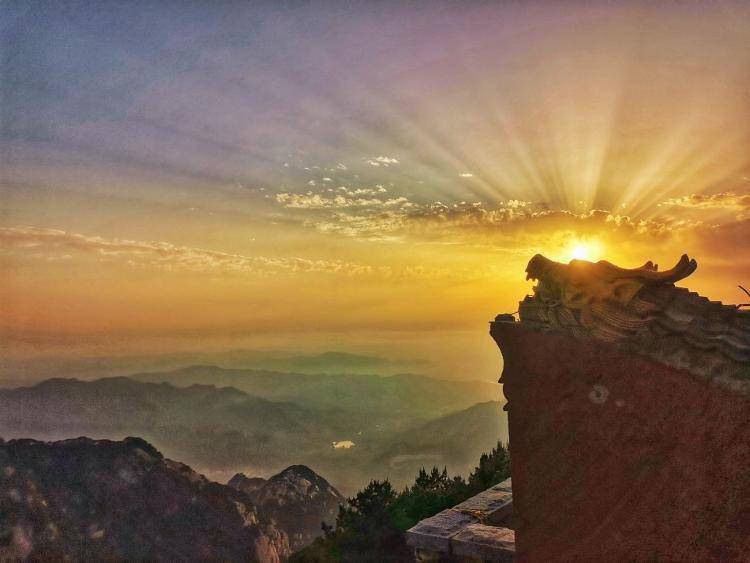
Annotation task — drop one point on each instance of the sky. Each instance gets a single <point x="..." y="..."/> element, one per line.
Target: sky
<point x="363" y="176"/>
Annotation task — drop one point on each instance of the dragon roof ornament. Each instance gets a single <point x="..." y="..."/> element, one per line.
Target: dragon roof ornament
<point x="641" y="310"/>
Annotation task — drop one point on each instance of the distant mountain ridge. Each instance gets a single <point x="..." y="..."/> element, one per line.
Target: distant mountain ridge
<point x="413" y="394"/>
<point x="31" y="370"/>
<point x="333" y="363"/>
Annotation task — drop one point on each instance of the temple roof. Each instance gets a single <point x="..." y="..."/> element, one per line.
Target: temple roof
<point x="640" y="310"/>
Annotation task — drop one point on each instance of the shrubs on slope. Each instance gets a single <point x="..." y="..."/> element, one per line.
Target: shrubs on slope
<point x="370" y="527"/>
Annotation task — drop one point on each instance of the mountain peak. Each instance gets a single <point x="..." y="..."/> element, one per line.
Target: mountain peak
<point x="297" y="498"/>
<point x="301" y="471"/>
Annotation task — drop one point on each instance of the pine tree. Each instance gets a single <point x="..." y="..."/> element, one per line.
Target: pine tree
<point x="370" y="526"/>
<point x="492" y="469"/>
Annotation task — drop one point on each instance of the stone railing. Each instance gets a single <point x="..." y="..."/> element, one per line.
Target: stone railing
<point x="475" y="530"/>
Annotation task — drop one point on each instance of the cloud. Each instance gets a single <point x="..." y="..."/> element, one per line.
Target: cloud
<point x="738" y="203"/>
<point x="55" y="244"/>
<point x="165" y="255"/>
<point x="382" y="161"/>
<point x="347" y="199"/>
<point x="727" y="242"/>
<point x="473" y="223"/>
<point x="365" y="191"/>
<point x="426" y="219"/>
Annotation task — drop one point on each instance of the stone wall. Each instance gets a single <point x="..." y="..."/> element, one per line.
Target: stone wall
<point x="618" y="457"/>
<point x="474" y="530"/>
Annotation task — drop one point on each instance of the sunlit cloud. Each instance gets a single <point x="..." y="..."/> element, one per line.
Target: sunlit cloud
<point x="165" y="255"/>
<point x="56" y="245"/>
<point x="364" y="191"/>
<point x="351" y="199"/>
<point x="471" y="222"/>
<point x="382" y="161"/>
<point x="729" y="201"/>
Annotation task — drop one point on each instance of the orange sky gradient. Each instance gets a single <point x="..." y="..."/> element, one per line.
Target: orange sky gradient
<point x="368" y="179"/>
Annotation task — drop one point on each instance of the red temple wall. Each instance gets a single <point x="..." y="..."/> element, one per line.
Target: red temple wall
<point x="616" y="457"/>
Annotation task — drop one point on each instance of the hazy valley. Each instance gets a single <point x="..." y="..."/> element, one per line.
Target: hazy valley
<point x="350" y="428"/>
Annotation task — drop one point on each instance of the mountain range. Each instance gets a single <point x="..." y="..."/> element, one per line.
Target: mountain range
<point x="352" y="428"/>
<point x="15" y="370"/>
<point x="388" y="400"/>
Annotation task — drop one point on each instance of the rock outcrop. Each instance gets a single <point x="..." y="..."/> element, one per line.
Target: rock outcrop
<point x="247" y="485"/>
<point x="298" y="500"/>
<point x="95" y="500"/>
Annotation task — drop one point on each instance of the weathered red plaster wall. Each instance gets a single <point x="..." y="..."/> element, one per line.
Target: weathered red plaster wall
<point x="615" y="457"/>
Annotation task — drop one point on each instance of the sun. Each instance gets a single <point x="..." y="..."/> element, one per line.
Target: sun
<point x="580" y="252"/>
<point x="590" y="250"/>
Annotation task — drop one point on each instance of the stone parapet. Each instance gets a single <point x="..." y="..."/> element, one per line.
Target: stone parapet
<point x="470" y="531"/>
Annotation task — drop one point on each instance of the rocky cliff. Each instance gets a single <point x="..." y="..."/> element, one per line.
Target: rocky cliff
<point x="86" y="499"/>
<point x="298" y="500"/>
